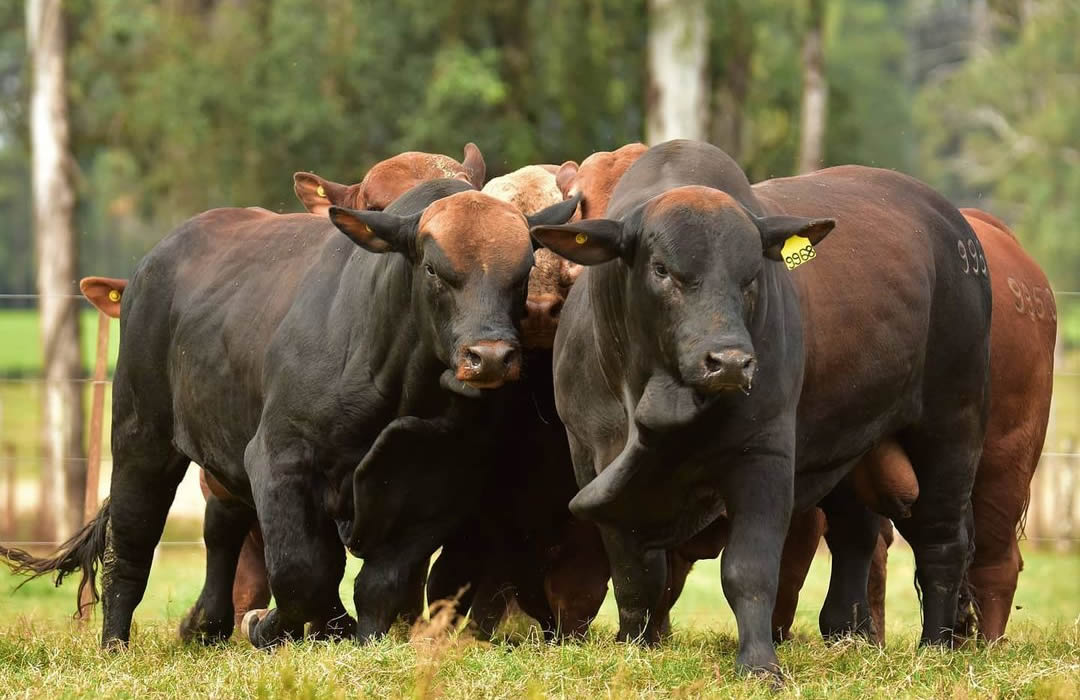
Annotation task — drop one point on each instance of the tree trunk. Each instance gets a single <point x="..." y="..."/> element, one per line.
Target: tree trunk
<point x="815" y="91"/>
<point x="56" y="251"/>
<point x="678" y="48"/>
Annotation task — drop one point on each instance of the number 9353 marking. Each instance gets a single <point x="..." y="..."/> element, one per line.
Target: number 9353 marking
<point x="1036" y="302"/>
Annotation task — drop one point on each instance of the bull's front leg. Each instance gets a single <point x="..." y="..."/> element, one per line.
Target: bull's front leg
<point x="639" y="577"/>
<point x="759" y="502"/>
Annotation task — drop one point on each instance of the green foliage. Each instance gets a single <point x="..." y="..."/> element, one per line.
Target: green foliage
<point x="1001" y="133"/>
<point x="180" y="106"/>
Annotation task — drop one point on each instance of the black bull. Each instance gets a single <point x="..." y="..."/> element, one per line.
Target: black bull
<point x="337" y="388"/>
<point x="679" y="368"/>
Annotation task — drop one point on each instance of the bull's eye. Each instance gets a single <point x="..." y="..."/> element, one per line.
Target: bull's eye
<point x="660" y="270"/>
<point x="429" y="270"/>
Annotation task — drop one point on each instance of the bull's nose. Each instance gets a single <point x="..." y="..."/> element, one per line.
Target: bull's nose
<point x="544" y="308"/>
<point x="730" y="369"/>
<point x="488" y="364"/>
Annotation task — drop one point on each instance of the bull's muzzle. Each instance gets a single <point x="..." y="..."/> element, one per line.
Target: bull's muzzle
<point x="488" y="364"/>
<point x="727" y="370"/>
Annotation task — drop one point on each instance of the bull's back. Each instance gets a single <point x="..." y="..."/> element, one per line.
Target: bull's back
<point x="1022" y="338"/>
<point x="199" y="315"/>
<point x="889" y="309"/>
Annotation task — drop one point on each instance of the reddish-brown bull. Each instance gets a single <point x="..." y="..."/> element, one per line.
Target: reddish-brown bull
<point x="387" y="180"/>
<point x="596" y="177"/>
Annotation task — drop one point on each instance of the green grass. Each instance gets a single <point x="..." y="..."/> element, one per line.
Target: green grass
<point x="42" y="653"/>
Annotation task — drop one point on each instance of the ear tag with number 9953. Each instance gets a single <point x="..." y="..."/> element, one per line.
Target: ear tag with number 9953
<point x="796" y="251"/>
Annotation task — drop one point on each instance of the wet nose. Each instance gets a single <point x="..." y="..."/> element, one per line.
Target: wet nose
<point x="547" y="309"/>
<point x="730" y="369"/>
<point x="489" y="364"/>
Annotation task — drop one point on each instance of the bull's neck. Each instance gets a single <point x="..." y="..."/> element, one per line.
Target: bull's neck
<point x="398" y="355"/>
<point x="617" y="351"/>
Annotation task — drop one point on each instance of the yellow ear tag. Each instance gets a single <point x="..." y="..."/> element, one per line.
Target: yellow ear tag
<point x="321" y="191"/>
<point x="581" y="238"/>
<point x="796" y="251"/>
<point x="114" y="295"/>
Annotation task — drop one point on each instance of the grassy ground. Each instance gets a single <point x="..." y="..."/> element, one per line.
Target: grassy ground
<point x="43" y="654"/>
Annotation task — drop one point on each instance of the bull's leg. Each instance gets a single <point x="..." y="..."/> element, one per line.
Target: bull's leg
<point x="251" y="589"/>
<point x="875" y="591"/>
<point x="759" y="501"/>
<point x="801" y="544"/>
<point x="144" y="483"/>
<point x="852" y="535"/>
<point x="459" y="566"/>
<point x="225" y="527"/>
<point x="494" y="595"/>
<point x="1001" y="490"/>
<point x="386" y="590"/>
<point x="533" y="600"/>
<point x="576" y="584"/>
<point x="639" y="577"/>
<point x="938" y="529"/>
<point x="304" y="555"/>
<point x="994" y="578"/>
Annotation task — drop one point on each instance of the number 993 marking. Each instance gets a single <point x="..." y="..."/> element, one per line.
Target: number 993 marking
<point x="972" y="257"/>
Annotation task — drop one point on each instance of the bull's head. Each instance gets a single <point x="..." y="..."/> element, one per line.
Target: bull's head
<point x="387" y="180"/>
<point x="469" y="257"/>
<point x="693" y="257"/>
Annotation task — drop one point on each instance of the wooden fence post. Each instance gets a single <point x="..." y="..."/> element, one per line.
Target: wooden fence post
<point x="97" y="419"/>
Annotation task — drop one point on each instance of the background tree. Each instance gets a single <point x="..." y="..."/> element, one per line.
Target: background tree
<point x="678" y="90"/>
<point x="815" y="90"/>
<point x="57" y="255"/>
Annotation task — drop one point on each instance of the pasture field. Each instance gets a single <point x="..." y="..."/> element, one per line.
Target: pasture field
<point x="44" y="654"/>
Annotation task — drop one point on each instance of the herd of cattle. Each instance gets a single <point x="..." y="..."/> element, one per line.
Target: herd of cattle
<point x="572" y="374"/>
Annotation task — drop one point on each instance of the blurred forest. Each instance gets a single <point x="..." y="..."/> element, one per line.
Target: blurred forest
<point x="182" y="105"/>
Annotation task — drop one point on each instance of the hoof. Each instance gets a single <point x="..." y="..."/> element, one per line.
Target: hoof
<point x="251" y="619"/>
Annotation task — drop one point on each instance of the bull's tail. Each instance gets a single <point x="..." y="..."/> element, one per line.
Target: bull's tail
<point x="85" y="551"/>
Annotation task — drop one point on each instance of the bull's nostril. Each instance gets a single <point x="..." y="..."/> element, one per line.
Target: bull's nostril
<point x="713" y="363"/>
<point x="472" y="359"/>
<point x="748" y="363"/>
<point x="510" y="358"/>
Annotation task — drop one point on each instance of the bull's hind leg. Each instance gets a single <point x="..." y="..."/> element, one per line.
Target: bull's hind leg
<point x="939" y="527"/>
<point x="251" y="589"/>
<point x="144" y="481"/>
<point x="225" y="528"/>
<point x="852" y="534"/>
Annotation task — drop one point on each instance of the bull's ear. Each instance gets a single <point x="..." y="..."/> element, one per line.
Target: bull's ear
<point x="775" y="230"/>
<point x="588" y="242"/>
<point x="558" y="213"/>
<point x="565" y="176"/>
<point x="378" y="231"/>
<point x="475" y="168"/>
<point x="318" y="195"/>
<point x="104" y="293"/>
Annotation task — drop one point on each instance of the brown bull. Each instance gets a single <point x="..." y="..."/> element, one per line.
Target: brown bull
<point x="1023" y="333"/>
<point x="387" y="180"/>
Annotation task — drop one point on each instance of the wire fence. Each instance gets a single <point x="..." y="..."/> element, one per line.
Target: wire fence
<point x="1056" y="486"/>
